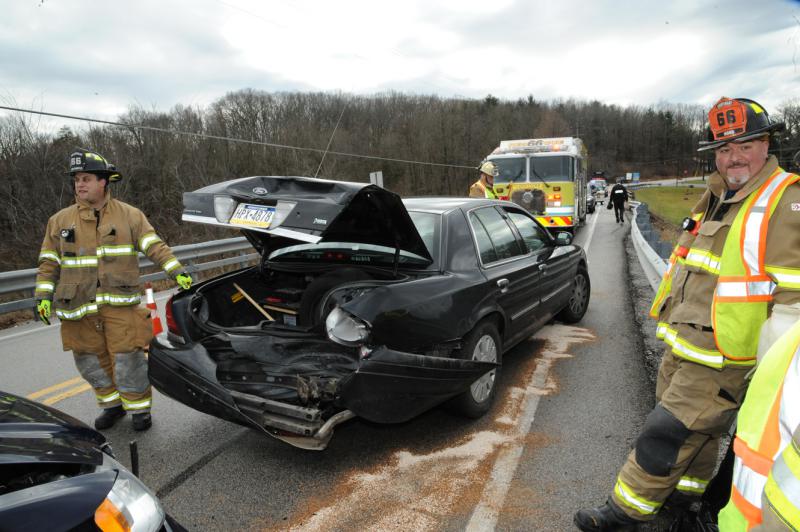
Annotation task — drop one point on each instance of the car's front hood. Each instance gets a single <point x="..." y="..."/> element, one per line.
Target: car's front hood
<point x="31" y="432"/>
<point x="309" y="210"/>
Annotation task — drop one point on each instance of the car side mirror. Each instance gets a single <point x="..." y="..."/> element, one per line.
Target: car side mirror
<point x="563" y="238"/>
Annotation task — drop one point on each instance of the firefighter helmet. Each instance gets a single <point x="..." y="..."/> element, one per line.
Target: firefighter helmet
<point x="737" y="120"/>
<point x="488" y="168"/>
<point x="83" y="160"/>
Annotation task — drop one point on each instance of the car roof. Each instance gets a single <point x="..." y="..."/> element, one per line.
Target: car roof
<point x="443" y="204"/>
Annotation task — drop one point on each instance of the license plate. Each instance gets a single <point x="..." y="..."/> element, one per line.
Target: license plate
<point x="253" y="215"/>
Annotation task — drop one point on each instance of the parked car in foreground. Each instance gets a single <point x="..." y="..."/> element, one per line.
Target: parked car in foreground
<point x="56" y="473"/>
<point x="363" y="304"/>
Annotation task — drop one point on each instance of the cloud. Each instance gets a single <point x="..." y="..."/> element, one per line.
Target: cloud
<point x="97" y="59"/>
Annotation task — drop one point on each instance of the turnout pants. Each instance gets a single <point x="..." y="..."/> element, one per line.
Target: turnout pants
<point x="677" y="448"/>
<point x="109" y="352"/>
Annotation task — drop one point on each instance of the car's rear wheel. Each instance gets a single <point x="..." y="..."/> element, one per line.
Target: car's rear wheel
<point x="481" y="344"/>
<point x="578" y="299"/>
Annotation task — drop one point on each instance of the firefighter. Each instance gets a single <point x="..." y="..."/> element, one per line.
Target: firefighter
<point x="484" y="186"/>
<point x="766" y="487"/>
<point x="89" y="276"/>
<point x="738" y="255"/>
<point x="619" y="195"/>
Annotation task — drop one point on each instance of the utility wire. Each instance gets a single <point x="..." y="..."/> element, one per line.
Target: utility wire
<point x="330" y="140"/>
<point x="300" y="148"/>
<point x="231" y="139"/>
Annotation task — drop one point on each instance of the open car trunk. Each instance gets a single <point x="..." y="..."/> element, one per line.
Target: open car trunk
<point x="294" y="298"/>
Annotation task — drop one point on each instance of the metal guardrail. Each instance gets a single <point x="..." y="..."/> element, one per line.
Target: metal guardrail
<point x="644" y="240"/>
<point x="24" y="280"/>
<point x="650" y="250"/>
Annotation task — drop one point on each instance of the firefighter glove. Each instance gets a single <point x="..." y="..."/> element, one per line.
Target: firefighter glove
<point x="184" y="280"/>
<point x="43" y="308"/>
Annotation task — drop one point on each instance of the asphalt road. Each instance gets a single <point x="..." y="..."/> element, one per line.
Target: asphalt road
<point x="570" y="404"/>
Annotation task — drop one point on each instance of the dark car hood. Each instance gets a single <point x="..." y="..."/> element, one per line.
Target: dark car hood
<point x="331" y="211"/>
<point x="31" y="432"/>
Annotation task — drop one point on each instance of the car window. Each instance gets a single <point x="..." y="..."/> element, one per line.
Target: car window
<point x="485" y="247"/>
<point x="500" y="234"/>
<point x="347" y="252"/>
<point x="427" y="225"/>
<point x="534" y="236"/>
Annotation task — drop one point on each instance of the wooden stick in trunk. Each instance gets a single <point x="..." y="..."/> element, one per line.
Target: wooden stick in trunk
<point x="252" y="302"/>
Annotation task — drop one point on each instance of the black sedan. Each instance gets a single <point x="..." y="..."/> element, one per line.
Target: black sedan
<point x="363" y="304"/>
<point x="58" y="474"/>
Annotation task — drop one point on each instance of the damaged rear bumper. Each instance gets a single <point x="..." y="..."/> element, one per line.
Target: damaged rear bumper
<point x="386" y="386"/>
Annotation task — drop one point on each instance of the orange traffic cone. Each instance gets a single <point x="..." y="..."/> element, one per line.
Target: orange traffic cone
<point x="150" y="303"/>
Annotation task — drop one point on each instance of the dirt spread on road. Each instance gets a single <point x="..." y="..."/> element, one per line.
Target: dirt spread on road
<point x="433" y="490"/>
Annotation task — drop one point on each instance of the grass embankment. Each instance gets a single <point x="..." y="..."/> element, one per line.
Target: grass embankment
<point x="669" y="206"/>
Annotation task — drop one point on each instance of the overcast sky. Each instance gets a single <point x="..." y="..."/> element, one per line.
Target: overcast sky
<point x="96" y="58"/>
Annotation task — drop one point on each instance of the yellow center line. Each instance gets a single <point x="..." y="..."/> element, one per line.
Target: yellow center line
<point x="69" y="393"/>
<point x="53" y="388"/>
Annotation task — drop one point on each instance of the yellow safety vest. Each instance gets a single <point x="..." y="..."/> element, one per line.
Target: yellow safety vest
<point x="743" y="290"/>
<point x="767" y="463"/>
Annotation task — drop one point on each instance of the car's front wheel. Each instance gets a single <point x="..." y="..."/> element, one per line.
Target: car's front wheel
<point x="481" y="344"/>
<point x="578" y="299"/>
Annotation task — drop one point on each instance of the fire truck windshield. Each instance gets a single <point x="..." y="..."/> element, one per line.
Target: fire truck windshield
<point x="552" y="168"/>
<point x="510" y="170"/>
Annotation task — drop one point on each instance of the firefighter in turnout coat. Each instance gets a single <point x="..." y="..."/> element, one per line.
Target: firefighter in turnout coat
<point x="739" y="254"/>
<point x="484" y="186"/>
<point x="89" y="275"/>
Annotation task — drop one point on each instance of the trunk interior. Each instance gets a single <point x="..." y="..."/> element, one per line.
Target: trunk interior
<point x="261" y="297"/>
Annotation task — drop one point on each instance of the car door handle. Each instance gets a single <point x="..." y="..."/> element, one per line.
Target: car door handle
<point x="503" y="285"/>
<point x="543" y="268"/>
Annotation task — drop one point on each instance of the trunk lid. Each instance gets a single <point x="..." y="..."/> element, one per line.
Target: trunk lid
<point x="276" y="211"/>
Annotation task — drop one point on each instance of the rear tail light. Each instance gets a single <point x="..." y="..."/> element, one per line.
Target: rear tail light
<point x="223" y="208"/>
<point x="172" y="326"/>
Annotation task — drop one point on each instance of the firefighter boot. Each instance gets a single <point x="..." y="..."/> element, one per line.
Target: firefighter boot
<point x="604" y="518"/>
<point x="142" y="421"/>
<point x="108" y="417"/>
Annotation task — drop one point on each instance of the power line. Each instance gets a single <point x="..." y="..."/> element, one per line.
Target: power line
<point x="231" y="139"/>
<point x="330" y="141"/>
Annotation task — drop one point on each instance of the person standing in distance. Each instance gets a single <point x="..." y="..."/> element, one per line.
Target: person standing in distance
<point x="484" y="186"/>
<point x="619" y="195"/>
<point x="89" y="275"/>
<point x="738" y="256"/>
